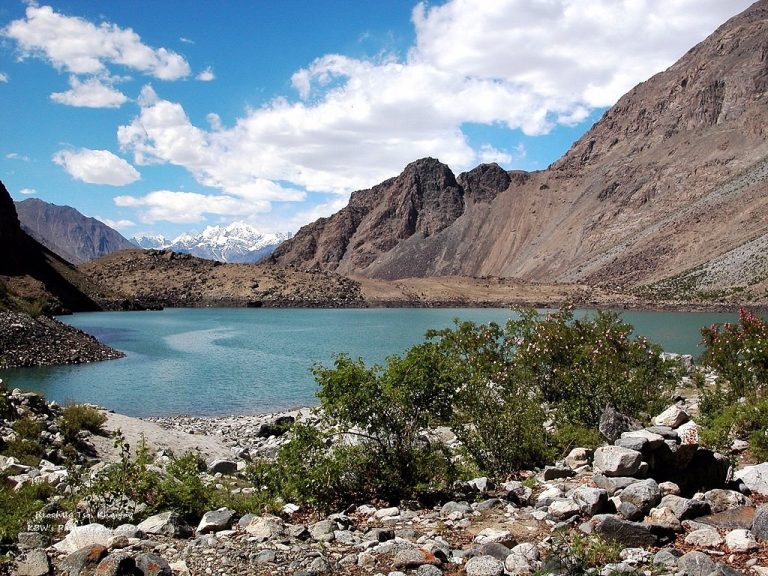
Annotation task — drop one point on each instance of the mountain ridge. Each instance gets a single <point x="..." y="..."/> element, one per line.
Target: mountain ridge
<point x="666" y="181"/>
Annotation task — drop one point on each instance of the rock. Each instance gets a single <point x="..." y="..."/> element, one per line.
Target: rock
<point x="666" y="557"/>
<point x="578" y="457"/>
<point x="740" y="540"/>
<point x="413" y="558"/>
<point x="33" y="563"/>
<point x="612" y="485"/>
<point x="755" y="478"/>
<point x="117" y="564"/>
<point x="179" y="568"/>
<point x="153" y="565"/>
<point x="484" y="566"/>
<point x="696" y="564"/>
<point x="664" y="517"/>
<point x="87" y="558"/>
<point x="720" y="500"/>
<point x="760" y="523"/>
<point x="31" y="540"/>
<point x="651" y="441"/>
<point x="215" y="520"/>
<point x="685" y="508"/>
<point x="428" y="570"/>
<point x="83" y="536"/>
<point x="562" y="509"/>
<point x="263" y="528"/>
<point x="453" y="507"/>
<point x="495" y="549"/>
<point x="741" y="517"/>
<point x="689" y="434"/>
<point x="481" y="484"/>
<point x="669" y="488"/>
<point x="322" y="531"/>
<point x="167" y="523"/>
<point x="590" y="500"/>
<point x="488" y="535"/>
<point x="276" y="427"/>
<point x="556" y="472"/>
<point x="517" y="564"/>
<point x="388" y="512"/>
<point x="630" y="511"/>
<point x="634" y="534"/>
<point x="704" y="538"/>
<point x="220" y="466"/>
<point x="644" y="495"/>
<point x="616" y="461"/>
<point x="489" y="504"/>
<point x="613" y="423"/>
<point x="673" y="417"/>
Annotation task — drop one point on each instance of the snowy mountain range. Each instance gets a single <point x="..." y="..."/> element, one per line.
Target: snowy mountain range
<point x="238" y="242"/>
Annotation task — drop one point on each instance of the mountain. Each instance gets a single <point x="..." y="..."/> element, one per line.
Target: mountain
<point x="68" y="233"/>
<point x="236" y="243"/>
<point x="665" y="193"/>
<point x="31" y="271"/>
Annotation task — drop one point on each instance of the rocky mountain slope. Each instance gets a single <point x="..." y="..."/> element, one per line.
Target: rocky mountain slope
<point x="668" y="182"/>
<point x="31" y="271"/>
<point x="237" y="243"/>
<point x="166" y="278"/>
<point x="67" y="232"/>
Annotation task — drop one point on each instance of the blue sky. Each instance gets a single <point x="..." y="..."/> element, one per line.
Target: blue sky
<point x="169" y="116"/>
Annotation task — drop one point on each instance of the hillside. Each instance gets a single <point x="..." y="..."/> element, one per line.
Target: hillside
<point x="165" y="278"/>
<point x="664" y="194"/>
<point x="67" y="232"/>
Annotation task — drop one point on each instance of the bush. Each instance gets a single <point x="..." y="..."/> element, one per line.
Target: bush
<point x="26" y="447"/>
<point x="576" y="554"/>
<point x="18" y="508"/>
<point x="77" y="417"/>
<point x="183" y="490"/>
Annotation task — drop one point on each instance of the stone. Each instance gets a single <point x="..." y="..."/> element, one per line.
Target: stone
<point x="33" y="563"/>
<point x="276" y="427"/>
<point x="721" y="500"/>
<point x="428" y="570"/>
<point x="644" y="495"/>
<point x="116" y="564"/>
<point x="632" y="443"/>
<point x="666" y="557"/>
<point x="83" y="536"/>
<point x="166" y="523"/>
<point x="31" y="540"/>
<point x="215" y="520"/>
<point x="267" y="527"/>
<point x="590" y="500"/>
<point x="612" y="485"/>
<point x="527" y="549"/>
<point x="704" y="538"/>
<point x="481" y="484"/>
<point x="613" y="423"/>
<point x="652" y="441"/>
<point x="741" y="517"/>
<point x="86" y="558"/>
<point x="322" y="531"/>
<point x="760" y="523"/>
<point x="180" y="568"/>
<point x="487" y="535"/>
<point x="489" y="504"/>
<point x="685" y="508"/>
<point x="454" y="507"/>
<point x="562" y="509"/>
<point x="413" y="558"/>
<point x="634" y="534"/>
<point x="495" y="549"/>
<point x="740" y="540"/>
<point x="696" y="564"/>
<point x="630" y="511"/>
<point x="484" y="566"/>
<point x="556" y="472"/>
<point x="379" y="534"/>
<point x="669" y="488"/>
<point x="615" y="461"/>
<point x="153" y="565"/>
<point x="755" y="478"/>
<point x="578" y="457"/>
<point x="388" y="512"/>
<point x="664" y="517"/>
<point x="265" y="557"/>
<point x="673" y="417"/>
<point x="318" y="565"/>
<point x="517" y="564"/>
<point x="220" y="466"/>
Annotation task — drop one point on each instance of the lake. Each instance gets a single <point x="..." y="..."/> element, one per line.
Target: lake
<point x="208" y="361"/>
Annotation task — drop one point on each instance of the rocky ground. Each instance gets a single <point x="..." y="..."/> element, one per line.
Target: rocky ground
<point x="43" y="341"/>
<point x="673" y="507"/>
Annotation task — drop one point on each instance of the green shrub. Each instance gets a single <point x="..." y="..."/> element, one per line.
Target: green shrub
<point x="578" y="554"/>
<point x="183" y="490"/>
<point x="77" y="417"/>
<point x="18" y="508"/>
<point x="26" y="447"/>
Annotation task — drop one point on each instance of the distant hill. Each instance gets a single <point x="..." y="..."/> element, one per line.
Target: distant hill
<point x="67" y="232"/>
<point x="236" y="243"/>
<point x="32" y="271"/>
<point x="664" y="195"/>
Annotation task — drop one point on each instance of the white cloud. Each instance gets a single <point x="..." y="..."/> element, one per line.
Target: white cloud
<point x="27" y="191"/>
<point x="3" y="77"/>
<point x="17" y="156"/>
<point x="189" y="207"/>
<point x="96" y="167"/>
<point x="81" y="47"/>
<point x="206" y="75"/>
<point x="490" y="154"/>
<point x="116" y="224"/>
<point x="92" y="93"/>
<point x="186" y="40"/>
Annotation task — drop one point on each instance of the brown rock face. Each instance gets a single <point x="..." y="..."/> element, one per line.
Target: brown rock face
<point x="670" y="183"/>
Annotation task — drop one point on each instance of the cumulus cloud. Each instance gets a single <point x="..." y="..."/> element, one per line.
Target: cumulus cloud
<point x="91" y="93"/>
<point x="27" y="191"/>
<point x="96" y="167"/>
<point x="80" y="47"/>
<point x="206" y="75"/>
<point x="189" y="207"/>
<point x="117" y="224"/>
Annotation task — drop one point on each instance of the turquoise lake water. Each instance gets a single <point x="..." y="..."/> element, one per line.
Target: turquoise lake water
<point x="207" y="361"/>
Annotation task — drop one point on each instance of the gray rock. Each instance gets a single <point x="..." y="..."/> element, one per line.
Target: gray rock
<point x="216" y="520"/>
<point x="87" y="558"/>
<point x="631" y="534"/>
<point x="451" y="507"/>
<point x="556" y="472"/>
<point x="563" y="508"/>
<point x="760" y="523"/>
<point x="578" y="457"/>
<point x="220" y="466"/>
<point x="720" y="500"/>
<point x="265" y="557"/>
<point x="379" y="534"/>
<point x="704" y="538"/>
<point x="644" y="494"/>
<point x="652" y="440"/>
<point x="322" y="531"/>
<point x="33" y="563"/>
<point x="517" y="564"/>
<point x="637" y="444"/>
<point x="267" y="527"/>
<point x="413" y="558"/>
<point x="616" y="461"/>
<point x="755" y="478"/>
<point x="666" y="557"/>
<point x="489" y="504"/>
<point x="696" y="564"/>
<point x="31" y="540"/>
<point x="82" y="536"/>
<point x="590" y="500"/>
<point x="428" y="570"/>
<point x="673" y="417"/>
<point x="630" y="511"/>
<point x="319" y="565"/>
<point x="153" y="565"/>
<point x="685" y="508"/>
<point x="612" y="485"/>
<point x="128" y="531"/>
<point x="613" y="423"/>
<point x="495" y="549"/>
<point x="484" y="566"/>
<point x="740" y="540"/>
<point x="167" y="523"/>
